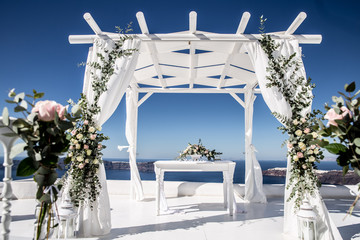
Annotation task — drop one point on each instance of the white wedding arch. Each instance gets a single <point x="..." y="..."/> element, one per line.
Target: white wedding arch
<point x="193" y="61"/>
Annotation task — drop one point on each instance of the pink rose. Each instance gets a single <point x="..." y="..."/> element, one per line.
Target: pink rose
<point x="300" y="154"/>
<point x="99" y="146"/>
<point x="312" y="146"/>
<point x="306" y="130"/>
<point x="73" y="132"/>
<point x="46" y="110"/>
<point x="81" y="165"/>
<point x="86" y="122"/>
<point x="71" y="147"/>
<point x="86" y="146"/>
<point x="289" y="146"/>
<point x="93" y="136"/>
<point x="331" y="115"/>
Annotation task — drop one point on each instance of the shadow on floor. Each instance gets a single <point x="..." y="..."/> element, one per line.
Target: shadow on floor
<point x="253" y="211"/>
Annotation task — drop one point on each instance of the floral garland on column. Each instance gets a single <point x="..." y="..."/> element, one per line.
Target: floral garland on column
<point x="85" y="148"/>
<point x="301" y="128"/>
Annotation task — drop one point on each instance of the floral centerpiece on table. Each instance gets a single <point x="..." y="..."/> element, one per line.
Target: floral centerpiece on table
<point x="43" y="129"/>
<point x="344" y="128"/>
<point x="199" y="149"/>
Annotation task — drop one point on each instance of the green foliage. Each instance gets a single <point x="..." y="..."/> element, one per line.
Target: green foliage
<point x="283" y="74"/>
<point x="344" y="128"/>
<point x="86" y="139"/>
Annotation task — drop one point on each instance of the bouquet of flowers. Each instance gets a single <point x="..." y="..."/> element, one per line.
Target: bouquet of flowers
<point x="199" y="149"/>
<point x="44" y="131"/>
<point x="344" y="127"/>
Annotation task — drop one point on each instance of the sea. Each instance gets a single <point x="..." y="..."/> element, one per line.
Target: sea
<point x="239" y="175"/>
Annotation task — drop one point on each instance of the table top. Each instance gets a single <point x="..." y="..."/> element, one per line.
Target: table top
<point x="195" y="165"/>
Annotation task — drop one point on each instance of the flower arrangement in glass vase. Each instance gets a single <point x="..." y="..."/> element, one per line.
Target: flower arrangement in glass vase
<point x="198" y="150"/>
<point x="43" y="129"/>
<point x="344" y="128"/>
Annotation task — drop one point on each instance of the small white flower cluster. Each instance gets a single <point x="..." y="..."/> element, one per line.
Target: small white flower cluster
<point x="84" y="145"/>
<point x="300" y="148"/>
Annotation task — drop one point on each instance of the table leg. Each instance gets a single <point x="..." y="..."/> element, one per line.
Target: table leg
<point x="158" y="186"/>
<point x="231" y="190"/>
<point x="225" y="187"/>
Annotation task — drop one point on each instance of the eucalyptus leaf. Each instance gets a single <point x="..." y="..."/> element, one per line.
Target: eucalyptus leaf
<point x="350" y="88"/>
<point x="26" y="168"/>
<point x="52" y="178"/>
<point x="38" y="95"/>
<point x="24" y="104"/>
<point x="40" y="179"/>
<point x="19" y="97"/>
<point x="45" y="198"/>
<point x="10" y="135"/>
<point x="42" y="170"/>
<point x="357" y="150"/>
<point x="357" y="142"/>
<point x="10" y="101"/>
<point x="17" y="149"/>
<point x="5" y="117"/>
<point x="19" y="109"/>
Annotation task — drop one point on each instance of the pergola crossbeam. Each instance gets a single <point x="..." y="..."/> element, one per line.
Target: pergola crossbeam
<point x="196" y="90"/>
<point x="216" y="37"/>
<point x="152" y="49"/>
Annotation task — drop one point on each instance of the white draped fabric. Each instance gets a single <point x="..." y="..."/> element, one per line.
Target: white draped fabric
<point x="277" y="103"/>
<point x="253" y="174"/>
<point x="132" y="97"/>
<point x="97" y="222"/>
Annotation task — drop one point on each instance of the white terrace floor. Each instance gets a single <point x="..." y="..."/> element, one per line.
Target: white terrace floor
<point x="199" y="216"/>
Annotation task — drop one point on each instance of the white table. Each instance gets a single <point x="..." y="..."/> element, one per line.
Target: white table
<point x="226" y="167"/>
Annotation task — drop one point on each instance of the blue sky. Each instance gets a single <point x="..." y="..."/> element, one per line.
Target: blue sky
<point x="35" y="54"/>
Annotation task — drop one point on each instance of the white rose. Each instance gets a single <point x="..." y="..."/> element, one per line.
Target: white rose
<point x="86" y="160"/>
<point x="303" y="120"/>
<point x="80" y="158"/>
<point x="295" y="122"/>
<point x="310" y="152"/>
<point x="92" y="129"/>
<point x="99" y="128"/>
<point x="79" y="136"/>
<point x="96" y="161"/>
<point x="77" y="146"/>
<point x="301" y="144"/>
<point x="314" y="134"/>
<point x="298" y="132"/>
<point x="295" y="158"/>
<point x="316" y="151"/>
<point x="88" y="152"/>
<point x="70" y="154"/>
<point x="311" y="159"/>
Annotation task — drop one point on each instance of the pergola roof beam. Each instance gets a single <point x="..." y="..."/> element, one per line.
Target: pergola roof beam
<point x="192" y="22"/>
<point x="144" y="29"/>
<point x="242" y="25"/>
<point x="90" y="20"/>
<point x="296" y="23"/>
<point x="303" y="38"/>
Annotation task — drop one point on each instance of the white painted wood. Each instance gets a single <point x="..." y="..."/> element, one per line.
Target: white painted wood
<point x="142" y="23"/>
<point x="302" y="38"/>
<point x="243" y="23"/>
<point x="90" y="20"/>
<point x="6" y="195"/>
<point x="144" y="29"/>
<point x="193" y="64"/>
<point x="236" y="97"/>
<point x="144" y="98"/>
<point x="192" y="22"/>
<point x="195" y="90"/>
<point x="227" y="64"/>
<point x="226" y="167"/>
<point x="296" y="23"/>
